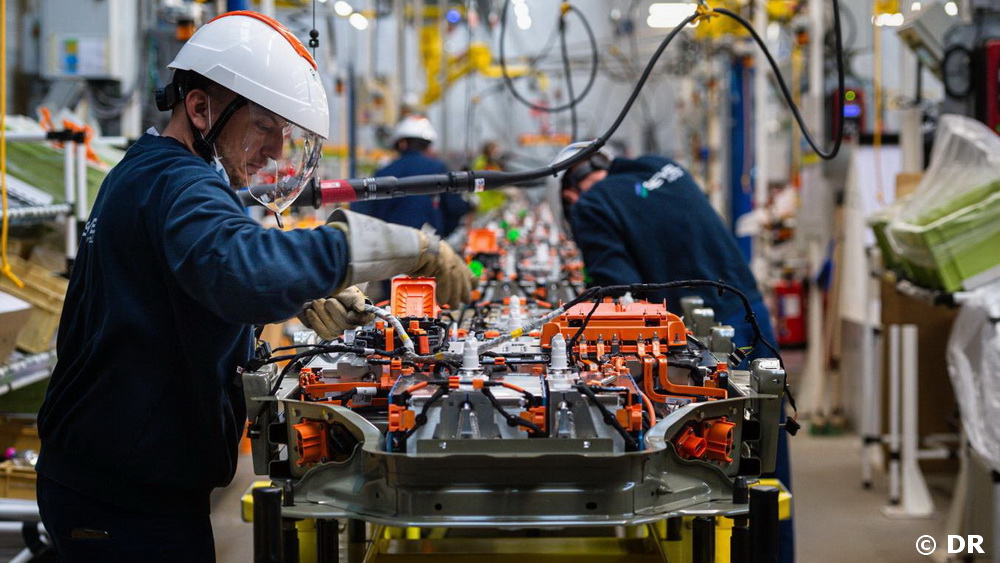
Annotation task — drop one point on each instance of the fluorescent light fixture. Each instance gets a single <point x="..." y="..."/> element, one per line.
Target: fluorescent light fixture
<point x="343" y="9"/>
<point x="888" y="20"/>
<point x="951" y="9"/>
<point x="522" y="14"/>
<point x="669" y="14"/>
<point x="359" y="21"/>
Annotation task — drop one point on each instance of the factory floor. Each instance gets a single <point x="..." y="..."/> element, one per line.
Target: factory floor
<point x="836" y="519"/>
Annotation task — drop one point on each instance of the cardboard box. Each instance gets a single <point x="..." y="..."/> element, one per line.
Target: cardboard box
<point x="14" y="315"/>
<point x="46" y="293"/>
<point x="17" y="481"/>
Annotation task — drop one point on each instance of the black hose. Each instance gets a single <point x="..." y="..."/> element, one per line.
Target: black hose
<point x="630" y="443"/>
<point x="511" y="419"/>
<point x="595" y="56"/>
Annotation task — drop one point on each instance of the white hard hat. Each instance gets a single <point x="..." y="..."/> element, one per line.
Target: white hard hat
<point x="259" y="59"/>
<point x="600" y="160"/>
<point x="413" y="127"/>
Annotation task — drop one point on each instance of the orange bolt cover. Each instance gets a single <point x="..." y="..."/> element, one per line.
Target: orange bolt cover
<point x="690" y="445"/>
<point x="310" y="442"/>
<point x="718" y="435"/>
<point x="453" y="381"/>
<point x="477" y="383"/>
<point x="491" y="333"/>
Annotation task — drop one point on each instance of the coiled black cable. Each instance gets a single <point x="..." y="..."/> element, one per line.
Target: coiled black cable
<point x="595" y="56"/>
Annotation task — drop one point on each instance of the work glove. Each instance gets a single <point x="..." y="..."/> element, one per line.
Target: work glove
<point x="330" y="317"/>
<point x="381" y="250"/>
<point x="439" y="261"/>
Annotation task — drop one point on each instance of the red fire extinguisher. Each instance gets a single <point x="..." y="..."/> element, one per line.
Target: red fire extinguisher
<point x="790" y="295"/>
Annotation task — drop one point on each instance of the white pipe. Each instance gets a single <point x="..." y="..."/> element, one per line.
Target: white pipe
<point x="15" y="137"/>
<point x="81" y="183"/>
<point x="19" y="510"/>
<point x="894" y="390"/>
<point x="868" y="382"/>
<point x="267" y="8"/>
<point x="760" y="148"/>
<point x="816" y="76"/>
<point x="69" y="193"/>
<point x="935" y="453"/>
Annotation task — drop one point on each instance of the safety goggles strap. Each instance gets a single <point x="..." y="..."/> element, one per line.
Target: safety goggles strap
<point x="203" y="145"/>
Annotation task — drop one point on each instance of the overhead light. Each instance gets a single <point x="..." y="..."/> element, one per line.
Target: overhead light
<point x="343" y="9"/>
<point x="915" y="7"/>
<point x="888" y="20"/>
<point x="951" y="9"/>
<point x="522" y="14"/>
<point x="359" y="21"/>
<point x="669" y="14"/>
<point x="773" y="31"/>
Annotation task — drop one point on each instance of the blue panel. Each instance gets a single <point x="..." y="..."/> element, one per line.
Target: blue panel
<point x="740" y="154"/>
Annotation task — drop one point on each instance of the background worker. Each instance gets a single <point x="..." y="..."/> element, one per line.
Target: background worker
<point x="647" y="221"/>
<point x="145" y="409"/>
<point x="412" y="139"/>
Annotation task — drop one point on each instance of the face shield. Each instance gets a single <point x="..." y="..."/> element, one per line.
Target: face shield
<point x="275" y="156"/>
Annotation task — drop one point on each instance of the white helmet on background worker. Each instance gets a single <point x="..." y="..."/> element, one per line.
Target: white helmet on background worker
<point x="600" y="160"/>
<point x="413" y="127"/>
<point x="273" y="74"/>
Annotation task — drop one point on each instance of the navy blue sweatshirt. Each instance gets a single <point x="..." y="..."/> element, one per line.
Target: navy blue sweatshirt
<point x="144" y="408"/>
<point x="649" y="222"/>
<point x="442" y="212"/>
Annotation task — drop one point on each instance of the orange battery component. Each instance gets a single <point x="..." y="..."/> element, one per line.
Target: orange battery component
<point x="400" y="418"/>
<point x="311" y="442"/>
<point x="630" y="323"/>
<point x="718" y="434"/>
<point x="413" y="297"/>
<point x="481" y="241"/>
<point x="690" y="445"/>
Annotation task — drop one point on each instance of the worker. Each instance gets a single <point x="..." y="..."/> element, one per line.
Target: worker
<point x="490" y="158"/>
<point x="412" y="139"/>
<point x="144" y="410"/>
<point x="647" y="221"/>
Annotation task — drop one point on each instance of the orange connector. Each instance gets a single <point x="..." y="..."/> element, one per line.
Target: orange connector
<point x="718" y="435"/>
<point x="630" y="417"/>
<point x="310" y="442"/>
<point x="401" y="418"/>
<point x="690" y="445"/>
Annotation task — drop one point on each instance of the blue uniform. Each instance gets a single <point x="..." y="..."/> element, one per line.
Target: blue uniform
<point x="145" y="408"/>
<point x="649" y="222"/>
<point x="414" y="211"/>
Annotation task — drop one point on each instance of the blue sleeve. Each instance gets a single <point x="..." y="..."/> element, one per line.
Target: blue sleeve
<point x="241" y="271"/>
<point x="453" y="208"/>
<point x="602" y="243"/>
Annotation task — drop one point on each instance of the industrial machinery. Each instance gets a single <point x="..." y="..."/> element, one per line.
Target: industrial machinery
<point x="601" y="411"/>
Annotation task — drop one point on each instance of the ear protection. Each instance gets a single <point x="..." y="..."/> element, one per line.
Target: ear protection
<point x="168" y="96"/>
<point x="572" y="177"/>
